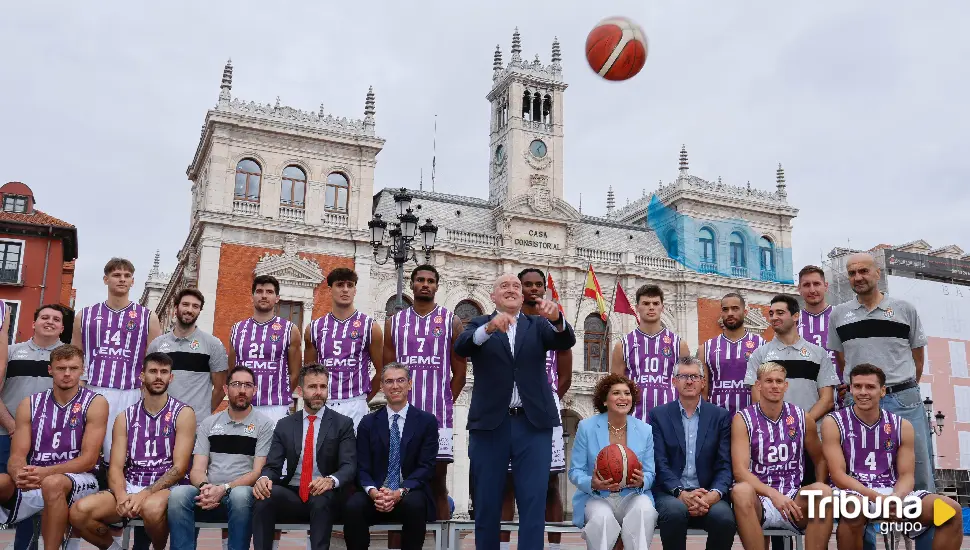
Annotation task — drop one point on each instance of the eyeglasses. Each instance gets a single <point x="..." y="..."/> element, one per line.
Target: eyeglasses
<point x="691" y="377"/>
<point x="392" y="381"/>
<point x="241" y="385"/>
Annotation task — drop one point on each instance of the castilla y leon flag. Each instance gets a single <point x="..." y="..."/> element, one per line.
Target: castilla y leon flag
<point x="592" y="290"/>
<point x="622" y="304"/>
<point x="553" y="293"/>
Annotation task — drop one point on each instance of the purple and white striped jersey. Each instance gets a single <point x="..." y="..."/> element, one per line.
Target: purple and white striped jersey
<point x="552" y="369"/>
<point x="870" y="451"/>
<point x="777" y="446"/>
<point x="57" y="431"/>
<point x="114" y="345"/>
<point x="263" y="348"/>
<point x="650" y="362"/>
<point x="815" y="329"/>
<point x="728" y="362"/>
<point x="151" y="442"/>
<point x="344" y="348"/>
<point x="423" y="343"/>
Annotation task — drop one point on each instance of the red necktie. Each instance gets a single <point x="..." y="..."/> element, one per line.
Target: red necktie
<point x="306" y="472"/>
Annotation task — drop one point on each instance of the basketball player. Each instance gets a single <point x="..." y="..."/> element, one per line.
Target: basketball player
<point x="813" y="322"/>
<point x="153" y="446"/>
<point x="114" y="336"/>
<point x="725" y="357"/>
<point x="649" y="353"/>
<point x="559" y="371"/>
<point x="423" y="338"/>
<point x="870" y="453"/>
<point x="61" y="430"/>
<point x="346" y="341"/>
<point x="269" y="345"/>
<point x="768" y="443"/>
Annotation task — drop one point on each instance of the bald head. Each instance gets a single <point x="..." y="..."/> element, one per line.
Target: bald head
<point x="863" y="274"/>
<point x="860" y="258"/>
<point x="507" y="293"/>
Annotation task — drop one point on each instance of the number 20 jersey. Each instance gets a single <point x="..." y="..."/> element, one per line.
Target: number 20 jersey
<point x="423" y="343"/>
<point x="114" y="345"/>
<point x="650" y="361"/>
<point x="870" y="451"/>
<point x="777" y="446"/>
<point x="263" y="348"/>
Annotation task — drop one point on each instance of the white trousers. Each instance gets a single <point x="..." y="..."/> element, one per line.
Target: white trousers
<point x="632" y="517"/>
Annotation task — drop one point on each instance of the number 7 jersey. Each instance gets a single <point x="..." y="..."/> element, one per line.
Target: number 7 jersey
<point x="423" y="343"/>
<point x="263" y="348"/>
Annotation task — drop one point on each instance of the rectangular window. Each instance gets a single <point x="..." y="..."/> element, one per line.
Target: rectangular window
<point x="958" y="359"/>
<point x="293" y="311"/>
<point x="11" y="260"/>
<point x="13" y="306"/>
<point x="961" y="396"/>
<point x="14" y="203"/>
<point x="964" y="450"/>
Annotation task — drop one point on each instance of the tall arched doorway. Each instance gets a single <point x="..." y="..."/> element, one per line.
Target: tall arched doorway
<point x="596" y="344"/>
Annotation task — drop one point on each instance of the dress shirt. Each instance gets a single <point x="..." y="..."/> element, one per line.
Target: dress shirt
<point x="689" y="478"/>
<point x="400" y="426"/>
<point x="295" y="480"/>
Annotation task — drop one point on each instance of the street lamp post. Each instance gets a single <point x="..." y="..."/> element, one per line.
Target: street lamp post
<point x="402" y="246"/>
<point x="936" y="428"/>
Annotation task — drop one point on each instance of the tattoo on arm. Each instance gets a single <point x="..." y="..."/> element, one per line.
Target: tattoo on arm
<point x="168" y="479"/>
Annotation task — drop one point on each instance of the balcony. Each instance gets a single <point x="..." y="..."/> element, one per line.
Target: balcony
<point x="602" y="256"/>
<point x="473" y="239"/>
<point x="768" y="275"/>
<point x="655" y="262"/>
<point x="335" y="219"/>
<point x="707" y="267"/>
<point x="245" y="208"/>
<point x="739" y="271"/>
<point x="293" y="214"/>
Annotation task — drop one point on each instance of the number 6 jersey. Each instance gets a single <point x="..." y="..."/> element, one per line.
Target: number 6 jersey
<point x="650" y="361"/>
<point x="263" y="348"/>
<point x="777" y="446"/>
<point x="57" y="431"/>
<point x="423" y="343"/>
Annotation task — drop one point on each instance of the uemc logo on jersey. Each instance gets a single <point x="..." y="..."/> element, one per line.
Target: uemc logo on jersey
<point x="257" y="364"/>
<point x="728" y="384"/>
<point x="55" y="457"/>
<point x="107" y="351"/>
<point x="337" y="362"/>
<point x="421" y="361"/>
<point x="652" y="379"/>
<point x="778" y="459"/>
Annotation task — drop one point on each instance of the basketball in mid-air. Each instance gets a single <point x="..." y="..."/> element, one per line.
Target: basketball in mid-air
<point x="617" y="462"/>
<point x="616" y="48"/>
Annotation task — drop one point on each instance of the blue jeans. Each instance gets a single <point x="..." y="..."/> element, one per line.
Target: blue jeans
<point x="236" y="509"/>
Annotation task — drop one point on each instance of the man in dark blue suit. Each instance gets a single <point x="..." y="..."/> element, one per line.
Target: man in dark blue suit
<point x="396" y="450"/>
<point x="512" y="412"/>
<point x="692" y="451"/>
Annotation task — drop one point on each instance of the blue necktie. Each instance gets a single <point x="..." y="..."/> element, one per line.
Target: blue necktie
<point x="394" y="460"/>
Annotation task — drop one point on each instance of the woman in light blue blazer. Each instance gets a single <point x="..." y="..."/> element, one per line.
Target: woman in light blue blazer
<point x="601" y="507"/>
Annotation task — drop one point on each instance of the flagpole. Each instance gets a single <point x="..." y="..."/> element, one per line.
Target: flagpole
<point x="582" y="296"/>
<point x="606" y="332"/>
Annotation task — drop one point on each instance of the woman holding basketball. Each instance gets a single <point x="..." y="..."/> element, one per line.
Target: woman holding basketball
<point x="612" y="467"/>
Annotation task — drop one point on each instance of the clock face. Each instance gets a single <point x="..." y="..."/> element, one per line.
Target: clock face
<point x="538" y="148"/>
<point x="499" y="154"/>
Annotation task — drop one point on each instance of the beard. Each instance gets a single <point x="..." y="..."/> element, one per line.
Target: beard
<point x="733" y="325"/>
<point x="151" y="390"/>
<point x="233" y="404"/>
<point x="181" y="320"/>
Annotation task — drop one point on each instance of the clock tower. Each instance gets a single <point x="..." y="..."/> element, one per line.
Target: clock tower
<point x="525" y="146"/>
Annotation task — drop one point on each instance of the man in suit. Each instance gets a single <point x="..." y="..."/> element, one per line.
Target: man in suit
<point x="396" y="450"/>
<point x="320" y="451"/>
<point x="692" y="451"/>
<point x="512" y="413"/>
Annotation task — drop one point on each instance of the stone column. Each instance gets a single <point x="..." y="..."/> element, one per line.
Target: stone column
<point x="209" y="253"/>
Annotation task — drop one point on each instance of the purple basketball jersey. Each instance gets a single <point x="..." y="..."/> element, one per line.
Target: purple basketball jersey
<point x="552" y="369"/>
<point x="650" y="361"/>
<point x="870" y="451"/>
<point x="424" y="344"/>
<point x="151" y="441"/>
<point x="728" y="362"/>
<point x="777" y="446"/>
<point x="262" y="347"/>
<point x="344" y="348"/>
<point x="114" y="345"/>
<point x="57" y="431"/>
<point x="815" y="329"/>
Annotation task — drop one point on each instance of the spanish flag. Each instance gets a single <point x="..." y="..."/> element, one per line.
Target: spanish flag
<point x="592" y="290"/>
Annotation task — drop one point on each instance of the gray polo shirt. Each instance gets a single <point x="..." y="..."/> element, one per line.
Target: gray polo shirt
<point x="195" y="357"/>
<point x="808" y="367"/>
<point x="232" y="446"/>
<point x="884" y="337"/>
<point x="26" y="374"/>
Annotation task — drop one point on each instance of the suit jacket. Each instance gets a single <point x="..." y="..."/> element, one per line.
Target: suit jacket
<point x="591" y="436"/>
<point x="712" y="453"/>
<point x="336" y="448"/>
<point x="419" y="448"/>
<point x="496" y="366"/>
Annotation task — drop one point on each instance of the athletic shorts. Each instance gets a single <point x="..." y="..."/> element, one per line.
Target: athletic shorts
<point x="774" y="519"/>
<point x="353" y="408"/>
<point x="118" y="401"/>
<point x="558" y="445"/>
<point x="26" y="504"/>
<point x="446" y="445"/>
<point x="887" y="491"/>
<point x="274" y="412"/>
<point x="130" y="489"/>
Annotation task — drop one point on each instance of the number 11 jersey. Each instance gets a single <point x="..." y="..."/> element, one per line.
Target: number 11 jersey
<point x="650" y="361"/>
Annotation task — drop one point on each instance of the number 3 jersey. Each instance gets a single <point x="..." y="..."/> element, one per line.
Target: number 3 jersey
<point x="263" y="348"/>
<point x="650" y="361"/>
<point x="423" y="343"/>
<point x="777" y="446"/>
<point x="870" y="451"/>
<point x="57" y="431"/>
<point x="344" y="348"/>
<point x="151" y="441"/>
<point x="114" y="345"/>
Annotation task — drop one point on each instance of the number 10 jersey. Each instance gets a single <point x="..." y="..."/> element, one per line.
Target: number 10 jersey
<point x="650" y="362"/>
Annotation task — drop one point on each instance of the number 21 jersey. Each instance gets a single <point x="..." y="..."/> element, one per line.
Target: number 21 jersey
<point x="263" y="348"/>
<point x="423" y="343"/>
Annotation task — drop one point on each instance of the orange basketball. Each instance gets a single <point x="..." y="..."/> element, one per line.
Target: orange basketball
<point x="617" y="462"/>
<point x="616" y="48"/>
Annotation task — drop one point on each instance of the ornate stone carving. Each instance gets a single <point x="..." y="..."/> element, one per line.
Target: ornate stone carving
<point x="535" y="162"/>
<point x="289" y="267"/>
<point x="540" y="197"/>
<point x="282" y="113"/>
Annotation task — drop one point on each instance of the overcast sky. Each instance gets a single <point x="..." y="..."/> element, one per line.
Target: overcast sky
<point x="866" y="107"/>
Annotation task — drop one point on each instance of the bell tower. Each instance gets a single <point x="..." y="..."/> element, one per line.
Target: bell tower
<point x="525" y="145"/>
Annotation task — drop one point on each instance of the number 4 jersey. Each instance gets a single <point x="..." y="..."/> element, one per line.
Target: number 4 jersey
<point x="650" y="361"/>
<point x="263" y="348"/>
<point x="870" y="451"/>
<point x="114" y="345"/>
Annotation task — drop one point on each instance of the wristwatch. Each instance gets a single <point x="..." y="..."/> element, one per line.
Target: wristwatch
<point x="677" y="491"/>
<point x="404" y="491"/>
<point x="226" y="487"/>
<point x="203" y="484"/>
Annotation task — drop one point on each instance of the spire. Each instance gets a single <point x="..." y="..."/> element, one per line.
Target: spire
<point x="155" y="265"/>
<point x="610" y="203"/>
<point x="497" y="59"/>
<point x="580" y="203"/>
<point x="537" y="62"/>
<point x="369" y="110"/>
<point x="683" y="159"/>
<point x="516" y="46"/>
<point x="556" y="54"/>
<point x="660" y="184"/>
<point x="780" y="179"/>
<point x="749" y="187"/>
<point x="225" y="88"/>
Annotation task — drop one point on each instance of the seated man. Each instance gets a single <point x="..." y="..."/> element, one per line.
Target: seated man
<point x="317" y="448"/>
<point x="396" y="450"/>
<point x="768" y="440"/>
<point x="152" y="446"/>
<point x="62" y="430"/>
<point x="870" y="452"/>
<point x="230" y="450"/>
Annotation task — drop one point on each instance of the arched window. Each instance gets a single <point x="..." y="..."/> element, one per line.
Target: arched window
<point x="708" y="253"/>
<point x="390" y="307"/>
<point x="547" y="109"/>
<point x="596" y="343"/>
<point x="766" y="254"/>
<point x="736" y="246"/>
<point x="293" y="188"/>
<point x="338" y="189"/>
<point x="527" y="112"/>
<point x="248" y="176"/>
<point x="466" y="310"/>
<point x="672" y="245"/>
